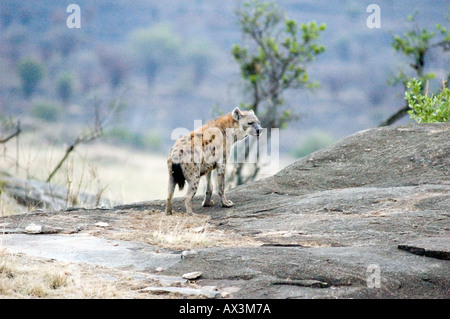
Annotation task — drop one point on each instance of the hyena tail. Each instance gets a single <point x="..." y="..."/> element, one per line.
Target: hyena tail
<point x="178" y="177"/>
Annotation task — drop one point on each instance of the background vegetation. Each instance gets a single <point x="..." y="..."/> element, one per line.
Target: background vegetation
<point x="145" y="68"/>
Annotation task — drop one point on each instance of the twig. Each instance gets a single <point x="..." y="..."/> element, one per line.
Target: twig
<point x="98" y="130"/>
<point x="85" y="139"/>
<point x="16" y="133"/>
<point x="94" y="134"/>
<point x="396" y="116"/>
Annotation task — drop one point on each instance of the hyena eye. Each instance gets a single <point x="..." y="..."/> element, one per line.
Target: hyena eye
<point x="250" y="123"/>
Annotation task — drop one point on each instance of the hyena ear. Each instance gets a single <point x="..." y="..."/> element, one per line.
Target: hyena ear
<point x="236" y="113"/>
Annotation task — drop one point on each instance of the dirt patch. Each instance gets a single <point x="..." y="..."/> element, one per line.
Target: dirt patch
<point x="178" y="231"/>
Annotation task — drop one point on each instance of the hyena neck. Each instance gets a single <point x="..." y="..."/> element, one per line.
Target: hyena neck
<point x="229" y="128"/>
<point x="223" y="123"/>
<point x="232" y="133"/>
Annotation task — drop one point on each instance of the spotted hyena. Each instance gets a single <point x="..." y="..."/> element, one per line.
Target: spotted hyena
<point x="204" y="150"/>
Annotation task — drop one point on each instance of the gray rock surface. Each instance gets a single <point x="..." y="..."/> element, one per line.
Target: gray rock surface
<point x="91" y="249"/>
<point x="367" y="217"/>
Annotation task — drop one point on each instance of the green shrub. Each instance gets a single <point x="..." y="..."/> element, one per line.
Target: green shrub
<point x="137" y="140"/>
<point x="65" y="87"/>
<point x="155" y="48"/>
<point x="153" y="140"/>
<point x="31" y="72"/>
<point x="427" y="109"/>
<point x="47" y="111"/>
<point x="313" y="142"/>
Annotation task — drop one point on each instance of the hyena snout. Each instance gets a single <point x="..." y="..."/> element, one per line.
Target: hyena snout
<point x="259" y="131"/>
<point x="256" y="130"/>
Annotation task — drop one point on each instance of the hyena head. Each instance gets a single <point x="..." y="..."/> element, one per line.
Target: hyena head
<point x="248" y="122"/>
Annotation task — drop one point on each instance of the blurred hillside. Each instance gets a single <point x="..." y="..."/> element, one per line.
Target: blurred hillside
<point x="162" y="64"/>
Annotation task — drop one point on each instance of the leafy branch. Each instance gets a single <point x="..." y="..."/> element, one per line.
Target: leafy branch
<point x="276" y="59"/>
<point x="416" y="44"/>
<point x="427" y="109"/>
<point x="272" y="60"/>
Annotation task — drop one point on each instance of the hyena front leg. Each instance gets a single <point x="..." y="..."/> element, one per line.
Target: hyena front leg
<point x="209" y="190"/>
<point x="221" y="185"/>
<point x="192" y="189"/>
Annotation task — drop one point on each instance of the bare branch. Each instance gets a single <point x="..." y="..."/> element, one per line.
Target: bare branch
<point x="12" y="135"/>
<point x="396" y="116"/>
<point x="97" y="132"/>
<point x="90" y="136"/>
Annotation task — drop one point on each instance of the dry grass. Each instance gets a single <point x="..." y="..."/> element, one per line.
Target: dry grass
<point x="30" y="277"/>
<point x="178" y="231"/>
<point x="8" y="206"/>
<point x="119" y="174"/>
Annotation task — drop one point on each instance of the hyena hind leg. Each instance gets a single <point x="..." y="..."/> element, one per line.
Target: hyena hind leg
<point x="209" y="190"/>
<point x="170" y="191"/>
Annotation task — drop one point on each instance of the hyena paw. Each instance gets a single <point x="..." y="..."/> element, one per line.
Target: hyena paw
<point x="227" y="203"/>
<point x="208" y="203"/>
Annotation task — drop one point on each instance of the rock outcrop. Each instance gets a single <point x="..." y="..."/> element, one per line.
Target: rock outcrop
<point x="367" y="217"/>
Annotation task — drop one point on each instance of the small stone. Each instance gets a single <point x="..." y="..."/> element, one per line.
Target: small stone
<point x="102" y="224"/>
<point x="224" y="294"/>
<point x="188" y="253"/>
<point x="192" y="275"/>
<point x="228" y="291"/>
<point x="33" y="229"/>
<point x="199" y="229"/>
<point x="159" y="269"/>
